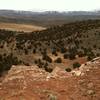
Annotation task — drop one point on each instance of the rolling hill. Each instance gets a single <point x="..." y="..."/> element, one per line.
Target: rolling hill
<point x="60" y="46"/>
<point x="48" y="18"/>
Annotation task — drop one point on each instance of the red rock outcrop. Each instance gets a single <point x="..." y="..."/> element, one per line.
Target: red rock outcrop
<point x="32" y="83"/>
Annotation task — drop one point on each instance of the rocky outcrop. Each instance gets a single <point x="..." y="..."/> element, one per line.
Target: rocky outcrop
<point x="93" y="64"/>
<point x="22" y="72"/>
<point x="32" y="83"/>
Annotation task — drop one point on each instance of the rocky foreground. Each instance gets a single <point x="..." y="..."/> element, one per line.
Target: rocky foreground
<point x="32" y="83"/>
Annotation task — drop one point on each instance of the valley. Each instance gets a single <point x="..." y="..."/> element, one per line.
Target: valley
<point x="46" y="56"/>
<point x="60" y="46"/>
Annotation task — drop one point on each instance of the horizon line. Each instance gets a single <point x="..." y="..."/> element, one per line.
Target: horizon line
<point x="30" y="10"/>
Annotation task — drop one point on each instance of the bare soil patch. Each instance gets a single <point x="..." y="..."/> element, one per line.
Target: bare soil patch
<point x="20" y="27"/>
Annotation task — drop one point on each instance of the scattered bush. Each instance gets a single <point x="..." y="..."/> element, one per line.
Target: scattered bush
<point x="48" y="69"/>
<point x="68" y="69"/>
<point x="98" y="54"/>
<point x="54" y="53"/>
<point x="40" y="63"/>
<point x="90" y="56"/>
<point x="26" y="52"/>
<point x="47" y="58"/>
<point x="58" y="60"/>
<point x="72" y="56"/>
<point x="80" y="54"/>
<point x="7" y="61"/>
<point x="63" y="50"/>
<point x="66" y="56"/>
<point x="34" y="51"/>
<point x="76" y="65"/>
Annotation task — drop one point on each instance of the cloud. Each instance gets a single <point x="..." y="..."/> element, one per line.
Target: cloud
<point x="56" y="5"/>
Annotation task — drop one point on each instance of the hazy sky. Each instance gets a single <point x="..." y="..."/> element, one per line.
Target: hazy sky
<point x="52" y="5"/>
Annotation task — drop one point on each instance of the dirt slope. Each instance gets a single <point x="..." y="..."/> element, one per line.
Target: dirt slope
<point x="31" y="83"/>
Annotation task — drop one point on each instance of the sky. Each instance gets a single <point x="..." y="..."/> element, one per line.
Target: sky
<point x="51" y="5"/>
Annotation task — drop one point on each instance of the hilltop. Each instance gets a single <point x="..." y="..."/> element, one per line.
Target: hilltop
<point x="32" y="83"/>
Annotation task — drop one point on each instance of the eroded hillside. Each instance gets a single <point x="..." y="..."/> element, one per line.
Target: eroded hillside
<point x="32" y="83"/>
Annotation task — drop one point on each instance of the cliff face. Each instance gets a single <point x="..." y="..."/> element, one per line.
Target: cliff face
<point x="32" y="83"/>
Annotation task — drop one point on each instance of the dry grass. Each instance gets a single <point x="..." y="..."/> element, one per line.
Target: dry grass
<point x="20" y="27"/>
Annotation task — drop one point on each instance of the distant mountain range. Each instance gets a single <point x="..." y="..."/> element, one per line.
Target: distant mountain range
<point x="47" y="18"/>
<point x="30" y="14"/>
